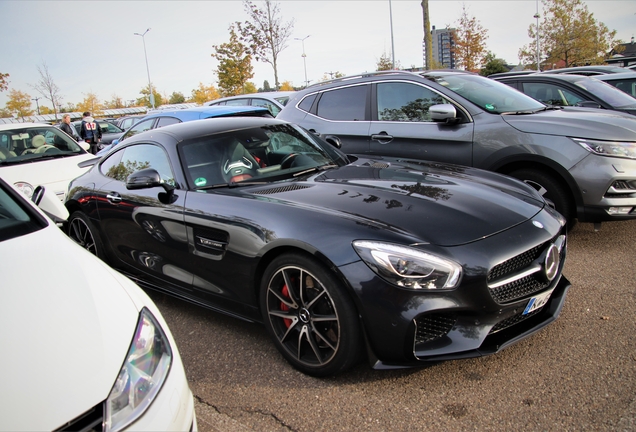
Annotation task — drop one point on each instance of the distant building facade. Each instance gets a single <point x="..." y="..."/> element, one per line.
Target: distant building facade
<point x="443" y="40"/>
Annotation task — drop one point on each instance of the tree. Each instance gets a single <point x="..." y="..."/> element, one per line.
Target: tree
<point x="470" y="42"/>
<point x="91" y="104"/>
<point x="266" y="86"/>
<point x="286" y="86"/>
<point x="47" y="87"/>
<point x="176" y="98"/>
<point x="385" y="63"/>
<point x="4" y="83"/>
<point x="144" y="100"/>
<point x="265" y="34"/>
<point x="115" y="103"/>
<point x="19" y="103"/>
<point x="569" y="36"/>
<point x="235" y="65"/>
<point x="204" y="94"/>
<point x="492" y="65"/>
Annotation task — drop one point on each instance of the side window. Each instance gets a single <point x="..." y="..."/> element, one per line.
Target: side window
<point x="306" y="103"/>
<point x="347" y="103"/>
<point x="266" y="104"/>
<point x="237" y="102"/>
<point x="165" y="121"/>
<point x="551" y="94"/>
<point x="406" y="102"/>
<point x="135" y="158"/>
<point x="139" y="128"/>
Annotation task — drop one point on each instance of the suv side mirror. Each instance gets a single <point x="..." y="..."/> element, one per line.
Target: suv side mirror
<point x="443" y="113"/>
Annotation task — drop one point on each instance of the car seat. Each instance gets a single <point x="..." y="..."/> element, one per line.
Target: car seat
<point x="238" y="163"/>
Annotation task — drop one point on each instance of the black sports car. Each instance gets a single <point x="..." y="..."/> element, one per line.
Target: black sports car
<point x="340" y="257"/>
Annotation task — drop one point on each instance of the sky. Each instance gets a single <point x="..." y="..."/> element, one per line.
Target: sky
<point x="98" y="52"/>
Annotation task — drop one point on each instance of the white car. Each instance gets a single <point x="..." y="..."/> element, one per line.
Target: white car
<point x="83" y="347"/>
<point x="33" y="154"/>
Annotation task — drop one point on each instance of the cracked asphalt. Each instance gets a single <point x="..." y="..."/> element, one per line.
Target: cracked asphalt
<point x="577" y="374"/>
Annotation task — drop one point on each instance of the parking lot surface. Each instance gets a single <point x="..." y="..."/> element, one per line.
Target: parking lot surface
<point x="577" y="374"/>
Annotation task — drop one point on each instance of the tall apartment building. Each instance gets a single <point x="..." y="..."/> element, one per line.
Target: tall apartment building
<point x="442" y="41"/>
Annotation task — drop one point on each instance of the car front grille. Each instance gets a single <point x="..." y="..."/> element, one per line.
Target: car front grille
<point x="90" y="421"/>
<point x="524" y="274"/>
<point x="515" y="319"/>
<point x="431" y="327"/>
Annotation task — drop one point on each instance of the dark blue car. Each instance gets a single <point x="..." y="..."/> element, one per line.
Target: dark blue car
<point x="162" y="118"/>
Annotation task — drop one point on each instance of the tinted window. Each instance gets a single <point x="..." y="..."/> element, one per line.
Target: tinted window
<point x="551" y="94"/>
<point x="344" y="104"/>
<point x="306" y="103"/>
<point x="628" y="85"/>
<point x="406" y="102"/>
<point x="165" y="121"/>
<point x="137" y="157"/>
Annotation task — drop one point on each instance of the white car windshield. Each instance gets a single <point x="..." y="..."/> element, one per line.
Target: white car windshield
<point x="24" y="144"/>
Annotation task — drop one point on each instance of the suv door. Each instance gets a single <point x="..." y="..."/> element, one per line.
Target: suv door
<point x="402" y="125"/>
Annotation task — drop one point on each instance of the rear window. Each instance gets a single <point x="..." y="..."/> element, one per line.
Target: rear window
<point x="346" y="104"/>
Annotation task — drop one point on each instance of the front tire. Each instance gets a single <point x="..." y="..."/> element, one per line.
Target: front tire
<point x="309" y="316"/>
<point x="82" y="231"/>
<point x="557" y="196"/>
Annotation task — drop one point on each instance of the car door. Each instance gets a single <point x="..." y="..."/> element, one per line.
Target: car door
<point x="343" y="114"/>
<point x="402" y="125"/>
<point x="144" y="228"/>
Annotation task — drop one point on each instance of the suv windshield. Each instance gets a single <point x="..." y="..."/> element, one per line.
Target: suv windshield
<point x="25" y="144"/>
<point x="606" y="92"/>
<point x="488" y="94"/>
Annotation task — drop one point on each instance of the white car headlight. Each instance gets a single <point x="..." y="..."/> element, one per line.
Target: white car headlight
<point x="25" y="188"/>
<point x="142" y="375"/>
<point x="407" y="267"/>
<point x="608" y="148"/>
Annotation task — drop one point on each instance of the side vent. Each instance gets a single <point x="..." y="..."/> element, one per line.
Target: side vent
<point x="280" y="189"/>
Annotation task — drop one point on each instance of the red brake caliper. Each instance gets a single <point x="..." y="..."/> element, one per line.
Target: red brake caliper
<point x="284" y="307"/>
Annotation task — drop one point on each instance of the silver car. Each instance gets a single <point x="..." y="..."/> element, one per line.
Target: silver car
<point x="582" y="160"/>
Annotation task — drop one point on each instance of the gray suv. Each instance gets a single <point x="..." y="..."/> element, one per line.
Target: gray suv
<point x="582" y="160"/>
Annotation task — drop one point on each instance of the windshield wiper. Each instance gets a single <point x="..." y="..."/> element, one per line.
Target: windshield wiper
<point x="315" y="169"/>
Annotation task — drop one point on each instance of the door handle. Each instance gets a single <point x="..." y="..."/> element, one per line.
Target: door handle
<point x="382" y="138"/>
<point x="113" y="197"/>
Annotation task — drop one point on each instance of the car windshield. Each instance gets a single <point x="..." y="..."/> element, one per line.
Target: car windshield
<point x="606" y="92"/>
<point x="261" y="154"/>
<point x="16" y="219"/>
<point x="488" y="94"/>
<point x="26" y="144"/>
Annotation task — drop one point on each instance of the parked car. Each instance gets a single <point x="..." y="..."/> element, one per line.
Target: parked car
<point x="512" y="73"/>
<point x="463" y="118"/>
<point x="273" y="101"/>
<point x="33" y="154"/>
<point x="126" y="122"/>
<point x="164" y="118"/>
<point x="110" y="132"/>
<point x="573" y="90"/>
<point x="588" y="70"/>
<point x="84" y="348"/>
<point x="338" y="256"/>
<point x="623" y="81"/>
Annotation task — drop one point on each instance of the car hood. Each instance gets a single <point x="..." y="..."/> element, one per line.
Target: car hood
<point x="594" y="124"/>
<point x="441" y="204"/>
<point x="67" y="325"/>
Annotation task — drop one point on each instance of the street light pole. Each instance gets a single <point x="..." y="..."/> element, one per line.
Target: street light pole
<point x="36" y="99"/>
<point x="152" y="96"/>
<point x="536" y="15"/>
<point x="302" y="40"/>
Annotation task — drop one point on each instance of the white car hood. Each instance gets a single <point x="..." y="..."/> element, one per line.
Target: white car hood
<point x="65" y="329"/>
<point x="54" y="174"/>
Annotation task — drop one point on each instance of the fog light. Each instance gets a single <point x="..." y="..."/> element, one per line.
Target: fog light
<point x="619" y="210"/>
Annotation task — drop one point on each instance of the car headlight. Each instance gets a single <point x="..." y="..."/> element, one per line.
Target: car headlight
<point x="408" y="267"/>
<point x="25" y="188"/>
<point x="608" y="148"/>
<point x="142" y="375"/>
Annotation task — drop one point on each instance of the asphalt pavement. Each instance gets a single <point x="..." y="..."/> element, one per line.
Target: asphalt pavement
<point x="578" y="374"/>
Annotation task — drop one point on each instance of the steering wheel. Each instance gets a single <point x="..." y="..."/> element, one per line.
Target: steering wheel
<point x="288" y="160"/>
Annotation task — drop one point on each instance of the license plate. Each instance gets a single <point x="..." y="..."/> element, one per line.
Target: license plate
<point x="537" y="302"/>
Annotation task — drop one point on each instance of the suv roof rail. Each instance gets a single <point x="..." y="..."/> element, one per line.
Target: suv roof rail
<point x="363" y="75"/>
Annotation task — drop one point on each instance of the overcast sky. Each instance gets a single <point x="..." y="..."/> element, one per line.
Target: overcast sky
<point x="90" y="46"/>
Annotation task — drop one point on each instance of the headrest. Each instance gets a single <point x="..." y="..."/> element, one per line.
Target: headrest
<point x="38" y="141"/>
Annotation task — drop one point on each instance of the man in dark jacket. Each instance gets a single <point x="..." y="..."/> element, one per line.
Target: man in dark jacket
<point x="90" y="132"/>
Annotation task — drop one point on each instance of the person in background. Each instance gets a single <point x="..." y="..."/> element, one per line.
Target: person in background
<point x="66" y="126"/>
<point x="90" y="132"/>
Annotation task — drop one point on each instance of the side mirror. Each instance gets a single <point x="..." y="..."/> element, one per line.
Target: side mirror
<point x="334" y="141"/>
<point x="50" y="204"/>
<point x="443" y="113"/>
<point x="146" y="179"/>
